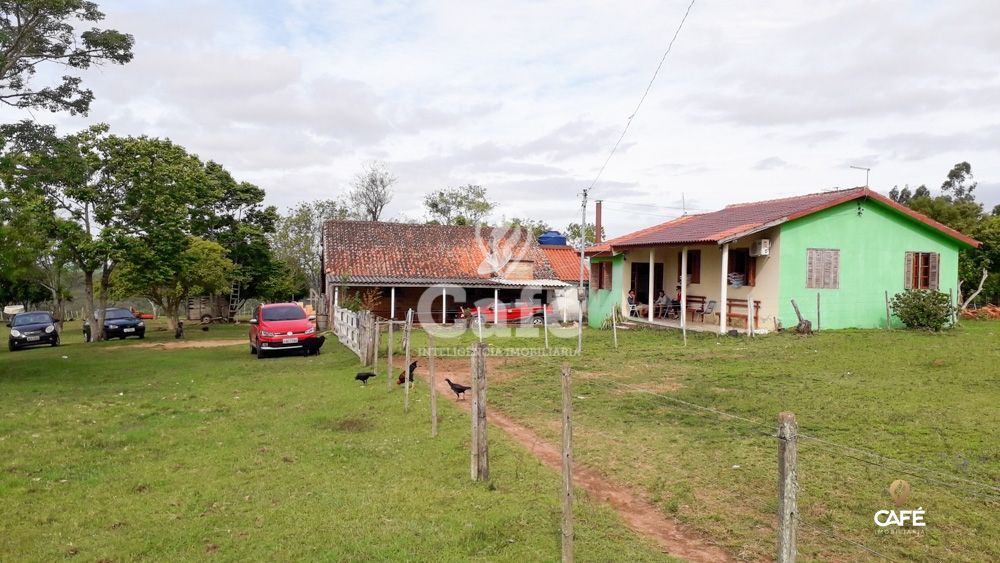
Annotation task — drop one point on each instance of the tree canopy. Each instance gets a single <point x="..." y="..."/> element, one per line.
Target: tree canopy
<point x="464" y="205"/>
<point x="39" y="33"/>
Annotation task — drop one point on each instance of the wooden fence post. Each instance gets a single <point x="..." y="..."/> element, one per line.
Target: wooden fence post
<point x="388" y="368"/>
<point x="480" y="447"/>
<point x="433" y="384"/>
<point x="567" y="465"/>
<point x="378" y="333"/>
<point x="614" y="324"/>
<point x="817" y="312"/>
<point x="406" y="364"/>
<point x="888" y="319"/>
<point x="787" y="486"/>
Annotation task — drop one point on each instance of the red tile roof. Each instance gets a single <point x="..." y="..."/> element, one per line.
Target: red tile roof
<point x="742" y="219"/>
<point x="565" y="261"/>
<point x="398" y="251"/>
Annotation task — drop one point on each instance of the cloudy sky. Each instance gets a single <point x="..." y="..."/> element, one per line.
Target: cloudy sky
<point x="757" y="99"/>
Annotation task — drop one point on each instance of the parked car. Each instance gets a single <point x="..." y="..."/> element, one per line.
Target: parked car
<point x="118" y="323"/>
<point x="508" y="313"/>
<point x="32" y="328"/>
<point x="283" y="326"/>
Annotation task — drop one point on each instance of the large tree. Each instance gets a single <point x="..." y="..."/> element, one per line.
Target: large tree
<point x="573" y="234"/>
<point x="202" y="267"/>
<point x="42" y="33"/>
<point x="371" y="191"/>
<point x="464" y="205"/>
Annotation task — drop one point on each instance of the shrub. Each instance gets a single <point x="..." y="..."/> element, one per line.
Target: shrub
<point x="923" y="309"/>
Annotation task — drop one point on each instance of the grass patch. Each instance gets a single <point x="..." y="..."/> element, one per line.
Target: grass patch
<point x="114" y="452"/>
<point x="928" y="400"/>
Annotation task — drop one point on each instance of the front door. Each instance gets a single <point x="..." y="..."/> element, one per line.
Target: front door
<point x="640" y="281"/>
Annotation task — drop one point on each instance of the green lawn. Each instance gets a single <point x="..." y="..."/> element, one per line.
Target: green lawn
<point x="112" y="452"/>
<point x="929" y="400"/>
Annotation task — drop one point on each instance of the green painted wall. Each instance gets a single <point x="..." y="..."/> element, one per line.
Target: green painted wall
<point x="601" y="301"/>
<point x="872" y="249"/>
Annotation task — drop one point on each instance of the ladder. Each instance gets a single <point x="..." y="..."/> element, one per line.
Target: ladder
<point x="234" y="300"/>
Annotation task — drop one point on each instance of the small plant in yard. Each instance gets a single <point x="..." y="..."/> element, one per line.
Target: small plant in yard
<point x="923" y="309"/>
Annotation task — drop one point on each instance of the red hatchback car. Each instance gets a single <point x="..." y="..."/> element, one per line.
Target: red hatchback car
<point x="283" y="326"/>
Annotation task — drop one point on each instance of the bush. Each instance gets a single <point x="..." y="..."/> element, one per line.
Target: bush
<point x="923" y="309"/>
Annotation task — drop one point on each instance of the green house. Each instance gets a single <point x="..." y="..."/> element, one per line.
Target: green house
<point x="838" y="254"/>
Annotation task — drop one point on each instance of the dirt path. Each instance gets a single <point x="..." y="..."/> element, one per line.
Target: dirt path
<point x="638" y="513"/>
<point x="191" y="344"/>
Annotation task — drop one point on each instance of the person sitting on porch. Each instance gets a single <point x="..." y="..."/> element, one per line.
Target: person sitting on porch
<point x="634" y="306"/>
<point x="661" y="304"/>
<point x="674" y="308"/>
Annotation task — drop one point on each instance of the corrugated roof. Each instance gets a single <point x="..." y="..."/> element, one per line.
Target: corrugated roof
<point x="433" y="253"/>
<point x="459" y="282"/>
<point x="565" y="261"/>
<point x="742" y="219"/>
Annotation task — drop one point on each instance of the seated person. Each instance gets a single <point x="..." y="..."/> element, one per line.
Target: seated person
<point x="675" y="305"/>
<point x="661" y="304"/>
<point x="640" y="308"/>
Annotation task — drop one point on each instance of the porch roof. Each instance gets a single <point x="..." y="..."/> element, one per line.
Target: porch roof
<point x="742" y="219"/>
<point x="487" y="283"/>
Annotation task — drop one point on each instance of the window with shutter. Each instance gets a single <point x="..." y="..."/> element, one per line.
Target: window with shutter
<point x="606" y="275"/>
<point x="823" y="268"/>
<point x="694" y="265"/>
<point x="921" y="270"/>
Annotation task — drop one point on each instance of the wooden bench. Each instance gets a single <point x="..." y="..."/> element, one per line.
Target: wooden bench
<point x="735" y="306"/>
<point x="696" y="303"/>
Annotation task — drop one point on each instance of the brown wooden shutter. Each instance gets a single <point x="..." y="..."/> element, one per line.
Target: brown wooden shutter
<point x="595" y="274"/>
<point x="752" y="270"/>
<point x="608" y="269"/>
<point x="694" y="265"/>
<point x="810" y="268"/>
<point x="835" y="267"/>
<point x="933" y="276"/>
<point x="908" y="271"/>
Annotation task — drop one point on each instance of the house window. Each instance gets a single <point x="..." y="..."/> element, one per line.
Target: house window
<point x="921" y="270"/>
<point x="694" y="265"/>
<point x="742" y="264"/>
<point x="600" y="274"/>
<point x="823" y="268"/>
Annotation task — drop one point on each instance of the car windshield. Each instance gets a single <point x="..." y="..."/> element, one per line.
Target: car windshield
<point x="31" y="319"/>
<point x="118" y="314"/>
<point x="283" y="313"/>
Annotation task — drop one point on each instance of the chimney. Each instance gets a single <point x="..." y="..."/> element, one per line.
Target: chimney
<point x="597" y="222"/>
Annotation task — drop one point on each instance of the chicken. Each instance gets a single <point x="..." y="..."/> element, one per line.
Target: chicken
<point x="400" y="380"/>
<point x="364" y="376"/>
<point x="458" y="388"/>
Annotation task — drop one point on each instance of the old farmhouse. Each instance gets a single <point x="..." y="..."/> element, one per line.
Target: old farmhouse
<point x="437" y="270"/>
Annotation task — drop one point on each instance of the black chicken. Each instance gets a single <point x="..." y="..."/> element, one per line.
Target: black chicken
<point x="458" y="388"/>
<point x="400" y="380"/>
<point x="364" y="376"/>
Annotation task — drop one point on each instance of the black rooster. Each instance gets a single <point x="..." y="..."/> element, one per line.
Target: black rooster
<point x="400" y="380"/>
<point x="458" y="388"/>
<point x="364" y="376"/>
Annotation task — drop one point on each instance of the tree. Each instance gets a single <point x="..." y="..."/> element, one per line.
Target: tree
<point x="201" y="268"/>
<point x="34" y="33"/>
<point x="464" y="205"/>
<point x="298" y="241"/>
<point x="573" y="234"/>
<point x="957" y="186"/>
<point x="371" y="191"/>
<point x="537" y="227"/>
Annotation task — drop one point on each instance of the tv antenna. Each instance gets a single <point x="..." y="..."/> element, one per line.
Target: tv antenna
<point x="867" y="171"/>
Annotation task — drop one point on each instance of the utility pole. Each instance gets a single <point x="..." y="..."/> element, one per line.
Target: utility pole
<point x="583" y="245"/>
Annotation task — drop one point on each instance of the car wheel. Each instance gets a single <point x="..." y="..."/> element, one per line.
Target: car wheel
<point x="11" y="346"/>
<point x="253" y="349"/>
<point x="55" y="342"/>
<point x="142" y="335"/>
<point x="537" y="321"/>
<point x="106" y="335"/>
<point x="260" y="353"/>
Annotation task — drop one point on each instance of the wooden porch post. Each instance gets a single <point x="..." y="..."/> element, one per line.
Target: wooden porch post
<point x="649" y="299"/>
<point x="444" y="305"/>
<point x="392" y="304"/>
<point x="684" y="287"/>
<point x="496" y="306"/>
<point x="336" y="297"/>
<point x="723" y="289"/>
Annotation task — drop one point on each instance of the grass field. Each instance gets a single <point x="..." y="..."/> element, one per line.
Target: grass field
<point x="115" y="452"/>
<point x="928" y="400"/>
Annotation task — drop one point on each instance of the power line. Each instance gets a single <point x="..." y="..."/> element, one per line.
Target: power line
<point x="628" y="123"/>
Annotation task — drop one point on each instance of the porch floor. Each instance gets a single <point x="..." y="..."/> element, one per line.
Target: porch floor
<point x="694" y="326"/>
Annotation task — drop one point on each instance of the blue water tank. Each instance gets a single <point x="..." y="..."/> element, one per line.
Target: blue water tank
<point x="552" y="238"/>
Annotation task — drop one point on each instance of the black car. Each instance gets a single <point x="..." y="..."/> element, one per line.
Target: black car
<point x="118" y="323"/>
<point x="32" y="328"/>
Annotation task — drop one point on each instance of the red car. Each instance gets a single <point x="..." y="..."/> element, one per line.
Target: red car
<point x="509" y="313"/>
<point x="283" y="326"/>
